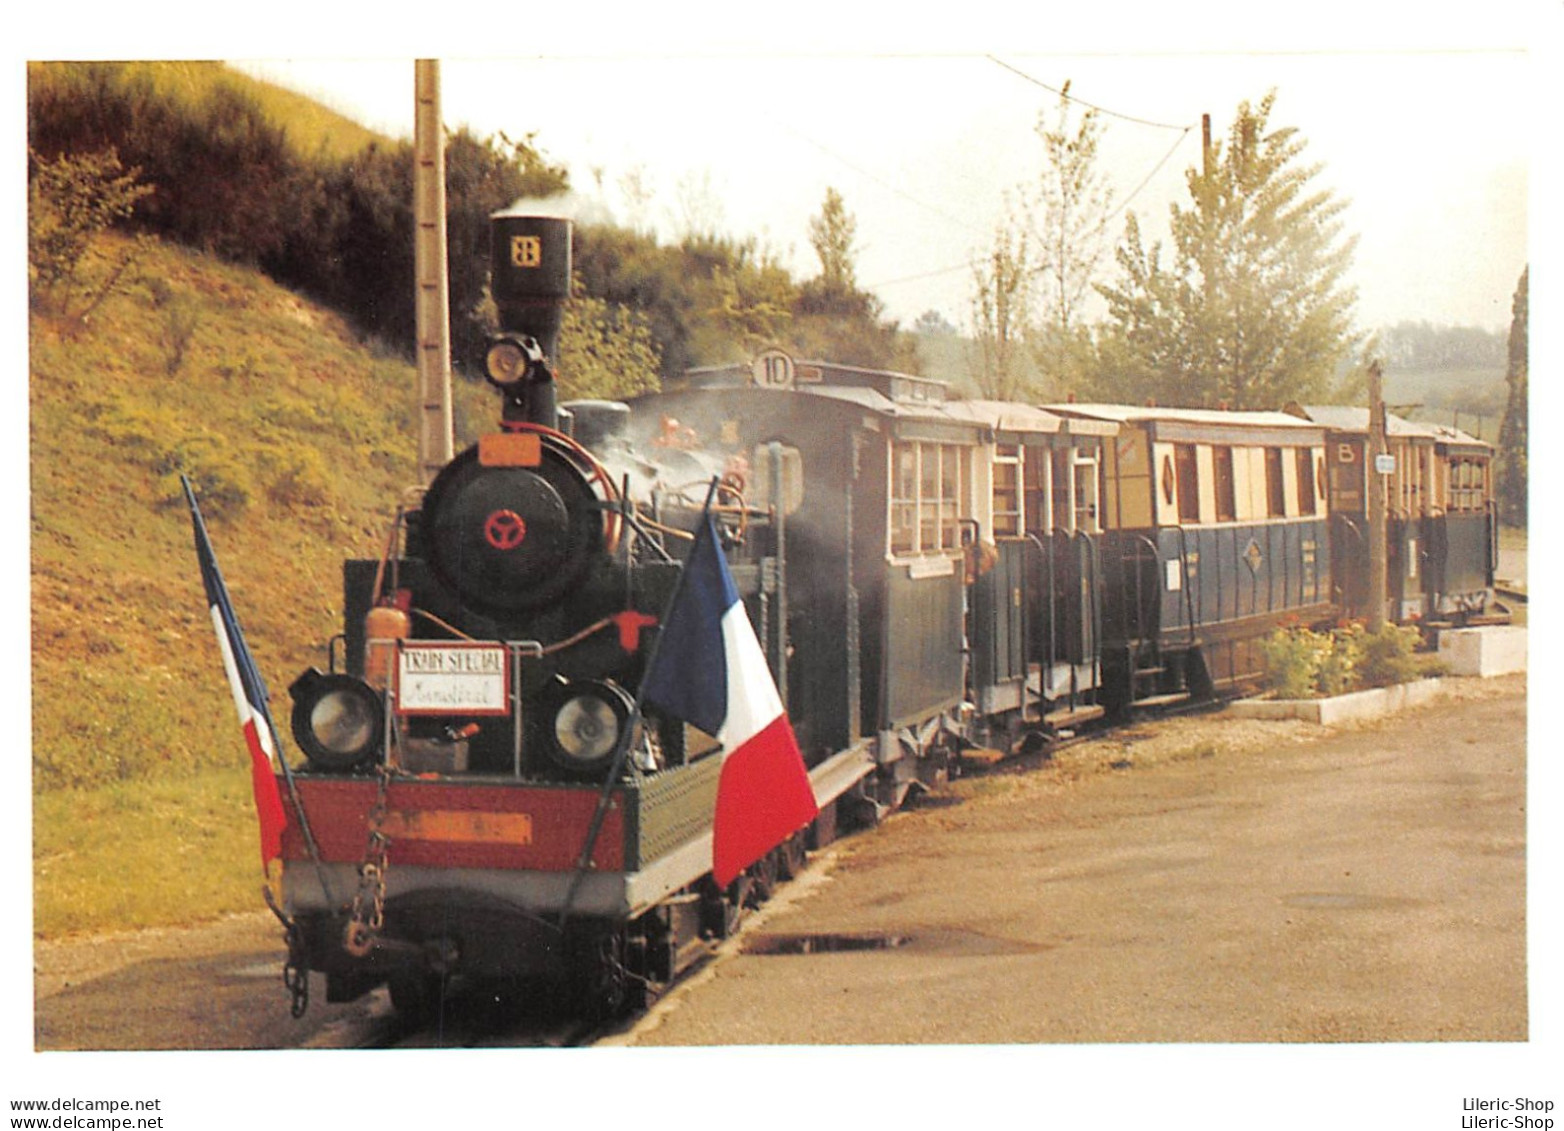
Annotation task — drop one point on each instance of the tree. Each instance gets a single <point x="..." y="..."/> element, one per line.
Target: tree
<point x="1512" y="484"/>
<point x="1252" y="311"/>
<point x="70" y="200"/>
<point x="832" y="318"/>
<point x="1069" y="215"/>
<point x="1001" y="294"/>
<point x="606" y="351"/>
<point x="934" y="324"/>
<point x="832" y="234"/>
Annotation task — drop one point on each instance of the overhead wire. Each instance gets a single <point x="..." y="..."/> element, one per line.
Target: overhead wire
<point x="1183" y="132"/>
<point x="997" y="61"/>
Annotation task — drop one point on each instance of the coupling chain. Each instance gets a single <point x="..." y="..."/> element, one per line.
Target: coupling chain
<point x="364" y="925"/>
<point x="296" y="974"/>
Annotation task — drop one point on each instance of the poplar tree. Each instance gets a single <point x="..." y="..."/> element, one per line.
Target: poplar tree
<point x="1512" y="485"/>
<point x="1252" y="310"/>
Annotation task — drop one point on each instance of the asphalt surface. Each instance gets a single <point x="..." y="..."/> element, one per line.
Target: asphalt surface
<point x="1368" y="886"/>
<point x="1229" y="881"/>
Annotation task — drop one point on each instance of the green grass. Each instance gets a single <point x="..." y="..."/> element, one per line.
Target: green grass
<point x="146" y="853"/>
<point x="300" y="440"/>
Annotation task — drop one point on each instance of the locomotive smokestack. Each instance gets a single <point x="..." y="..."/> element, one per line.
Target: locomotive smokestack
<point x="529" y="260"/>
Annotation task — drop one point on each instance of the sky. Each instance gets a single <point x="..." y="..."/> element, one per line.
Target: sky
<point x="1429" y="146"/>
<point x="1435" y="119"/>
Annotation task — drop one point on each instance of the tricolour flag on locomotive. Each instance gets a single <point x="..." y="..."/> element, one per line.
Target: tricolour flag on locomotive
<point x="249" y="692"/>
<point x="710" y="672"/>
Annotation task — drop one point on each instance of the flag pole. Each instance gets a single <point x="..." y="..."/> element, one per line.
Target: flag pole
<point x="622" y="747"/>
<point x="205" y="553"/>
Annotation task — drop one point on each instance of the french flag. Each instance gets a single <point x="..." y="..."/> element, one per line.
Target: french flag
<point x="710" y="672"/>
<point x="249" y="692"/>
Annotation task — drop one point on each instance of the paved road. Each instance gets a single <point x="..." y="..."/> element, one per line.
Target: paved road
<point x="1367" y="887"/>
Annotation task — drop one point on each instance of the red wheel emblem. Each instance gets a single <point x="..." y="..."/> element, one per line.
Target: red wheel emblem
<point x="505" y="530"/>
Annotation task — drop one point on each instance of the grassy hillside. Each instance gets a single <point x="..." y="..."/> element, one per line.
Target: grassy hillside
<point x="300" y="442"/>
<point x="312" y="129"/>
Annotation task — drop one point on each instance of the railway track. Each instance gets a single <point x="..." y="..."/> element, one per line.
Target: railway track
<point x="479" y="1015"/>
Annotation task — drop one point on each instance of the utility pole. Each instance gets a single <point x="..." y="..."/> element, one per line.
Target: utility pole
<point x="1376" y="476"/>
<point x="435" y="442"/>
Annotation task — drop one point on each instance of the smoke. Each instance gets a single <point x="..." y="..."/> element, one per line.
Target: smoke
<point x="575" y="206"/>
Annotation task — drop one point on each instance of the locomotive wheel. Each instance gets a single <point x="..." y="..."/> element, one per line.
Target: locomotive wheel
<point x="763" y="875"/>
<point x="418" y="997"/>
<point x="601" y="988"/>
<point x="792" y="857"/>
<point x="722" y="911"/>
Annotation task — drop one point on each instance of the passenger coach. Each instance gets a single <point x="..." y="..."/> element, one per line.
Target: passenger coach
<point x="1215" y="533"/>
<point x="1441" y="523"/>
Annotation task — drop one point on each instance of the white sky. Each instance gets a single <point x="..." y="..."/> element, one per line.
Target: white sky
<point x="1429" y="146"/>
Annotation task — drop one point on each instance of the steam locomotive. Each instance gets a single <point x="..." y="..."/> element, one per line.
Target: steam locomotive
<point x="922" y="573"/>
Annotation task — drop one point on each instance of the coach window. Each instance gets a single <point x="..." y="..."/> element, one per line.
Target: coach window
<point x="1088" y="489"/>
<point x="1275" y="485"/>
<point x="904" y="498"/>
<point x="952" y="492"/>
<point x="1061" y="491"/>
<point x="1226" y="507"/>
<point x="1306" y="487"/>
<point x="1185" y="468"/>
<point x="928" y="484"/>
<point x="1037" y="483"/>
<point x="1007" y="491"/>
<point x="1466" y="485"/>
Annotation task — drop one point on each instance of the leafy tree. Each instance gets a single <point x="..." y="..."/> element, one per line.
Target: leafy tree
<point x="1252" y="311"/>
<point x="1512" y="482"/>
<point x="832" y="318"/>
<point x="1068" y="224"/>
<point x="1068" y="215"/>
<point x="832" y="234"/>
<point x="70" y="200"/>
<point x="605" y="351"/>
<point x="1001" y="295"/>
<point x="932" y="322"/>
<point x="1420" y="345"/>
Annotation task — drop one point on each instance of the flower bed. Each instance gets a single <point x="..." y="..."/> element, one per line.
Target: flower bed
<point x="1373" y="703"/>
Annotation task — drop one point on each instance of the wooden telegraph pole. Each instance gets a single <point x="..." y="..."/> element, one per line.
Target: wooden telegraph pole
<point x="435" y="442"/>
<point x="1377" y="475"/>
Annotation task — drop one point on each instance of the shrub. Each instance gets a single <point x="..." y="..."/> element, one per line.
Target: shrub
<point x="301" y="479"/>
<point x="1292" y="661"/>
<point x="69" y="201"/>
<point x="1388" y="655"/>
<point x="1300" y="664"/>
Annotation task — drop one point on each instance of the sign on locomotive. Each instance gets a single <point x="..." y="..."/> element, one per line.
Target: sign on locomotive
<point x="622" y="665"/>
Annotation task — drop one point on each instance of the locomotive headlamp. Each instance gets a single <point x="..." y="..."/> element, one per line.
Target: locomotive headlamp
<point x="510" y="358"/>
<point x="588" y="720"/>
<point x="338" y="721"/>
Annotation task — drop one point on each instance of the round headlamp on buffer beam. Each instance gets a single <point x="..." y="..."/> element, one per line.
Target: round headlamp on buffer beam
<point x="529" y="262"/>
